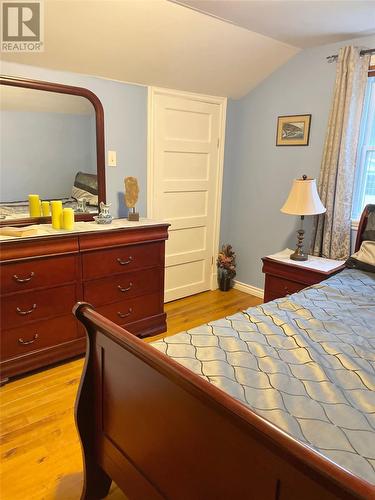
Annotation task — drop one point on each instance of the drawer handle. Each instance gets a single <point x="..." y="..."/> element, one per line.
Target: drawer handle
<point x="23" y="280"/>
<point x="125" y="289"/>
<point x="29" y="311"/>
<point x="124" y="315"/>
<point x="124" y="262"/>
<point x="27" y="342"/>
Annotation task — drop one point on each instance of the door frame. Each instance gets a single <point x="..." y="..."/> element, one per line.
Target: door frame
<point x="222" y="102"/>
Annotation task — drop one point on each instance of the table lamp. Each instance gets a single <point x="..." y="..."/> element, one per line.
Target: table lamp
<point x="303" y="200"/>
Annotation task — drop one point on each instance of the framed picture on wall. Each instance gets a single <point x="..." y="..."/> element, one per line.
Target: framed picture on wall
<point x="293" y="130"/>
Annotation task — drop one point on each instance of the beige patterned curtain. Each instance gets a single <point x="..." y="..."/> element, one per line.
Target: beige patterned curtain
<point x="331" y="232"/>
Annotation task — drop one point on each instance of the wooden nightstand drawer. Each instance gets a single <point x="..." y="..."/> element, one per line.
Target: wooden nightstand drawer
<point x="284" y="276"/>
<point x="102" y="263"/>
<point x="280" y="287"/>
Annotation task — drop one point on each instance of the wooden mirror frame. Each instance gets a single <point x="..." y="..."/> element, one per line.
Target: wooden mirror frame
<point x="100" y="156"/>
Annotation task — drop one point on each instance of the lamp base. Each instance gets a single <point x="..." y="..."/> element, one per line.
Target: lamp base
<point x="299" y="253"/>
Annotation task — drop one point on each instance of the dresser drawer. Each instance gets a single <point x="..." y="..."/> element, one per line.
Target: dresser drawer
<point x="36" y="273"/>
<point x="121" y="259"/>
<point x="38" y="335"/>
<point x="22" y="308"/>
<point x="131" y="310"/>
<point x="122" y="286"/>
<point x="280" y="287"/>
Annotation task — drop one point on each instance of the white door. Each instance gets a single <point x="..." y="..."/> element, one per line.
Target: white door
<point x="186" y="135"/>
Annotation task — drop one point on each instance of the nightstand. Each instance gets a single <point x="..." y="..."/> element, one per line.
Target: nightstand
<point x="284" y="276"/>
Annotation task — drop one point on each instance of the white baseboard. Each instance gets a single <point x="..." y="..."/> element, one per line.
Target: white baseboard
<point x="250" y="289"/>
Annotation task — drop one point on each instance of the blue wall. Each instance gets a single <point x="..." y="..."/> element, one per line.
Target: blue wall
<point x="41" y="152"/>
<point x="125" y="116"/>
<point x="257" y="174"/>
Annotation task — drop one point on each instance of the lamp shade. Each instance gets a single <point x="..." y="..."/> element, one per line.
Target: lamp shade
<point x="303" y="198"/>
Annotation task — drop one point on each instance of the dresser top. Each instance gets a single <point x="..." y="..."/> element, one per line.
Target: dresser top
<point x="45" y="230"/>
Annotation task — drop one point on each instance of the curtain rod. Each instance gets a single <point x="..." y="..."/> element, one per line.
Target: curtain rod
<point x="334" y="57"/>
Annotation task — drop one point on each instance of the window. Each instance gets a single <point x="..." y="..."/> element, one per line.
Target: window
<point x="364" y="189"/>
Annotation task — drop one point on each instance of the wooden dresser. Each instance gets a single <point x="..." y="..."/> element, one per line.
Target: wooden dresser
<point x="119" y="271"/>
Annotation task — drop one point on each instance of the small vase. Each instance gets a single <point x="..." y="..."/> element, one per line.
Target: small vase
<point x="104" y="216"/>
<point x="224" y="281"/>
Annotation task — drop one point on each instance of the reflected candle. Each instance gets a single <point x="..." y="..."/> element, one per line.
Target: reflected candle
<point x="46" y="211"/>
<point x="56" y="207"/>
<point x="34" y="205"/>
<point x="68" y="219"/>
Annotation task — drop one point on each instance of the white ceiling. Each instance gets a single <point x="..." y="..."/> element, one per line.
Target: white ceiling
<point x="301" y="23"/>
<point x="155" y="42"/>
<point x="161" y="43"/>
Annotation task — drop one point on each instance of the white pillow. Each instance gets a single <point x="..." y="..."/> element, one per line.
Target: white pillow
<point x="364" y="259"/>
<point x="78" y="193"/>
<point x="366" y="253"/>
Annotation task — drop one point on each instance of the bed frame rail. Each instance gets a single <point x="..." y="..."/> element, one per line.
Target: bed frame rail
<point x="162" y="432"/>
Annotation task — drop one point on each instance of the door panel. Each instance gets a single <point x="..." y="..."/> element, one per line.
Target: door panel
<point x="186" y="134"/>
<point x="190" y="239"/>
<point x="186" y="276"/>
<point x="184" y="165"/>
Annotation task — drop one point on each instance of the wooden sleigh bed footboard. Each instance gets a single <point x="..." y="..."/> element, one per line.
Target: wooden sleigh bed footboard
<point x="160" y="431"/>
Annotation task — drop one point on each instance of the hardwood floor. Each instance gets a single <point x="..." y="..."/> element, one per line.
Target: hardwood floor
<point x="40" y="451"/>
<point x="203" y="307"/>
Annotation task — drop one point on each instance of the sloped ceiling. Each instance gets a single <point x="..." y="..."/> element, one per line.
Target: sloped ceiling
<point x="303" y="23"/>
<point x="155" y="42"/>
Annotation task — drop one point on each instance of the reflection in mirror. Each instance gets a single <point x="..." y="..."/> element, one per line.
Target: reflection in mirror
<point x="48" y="147"/>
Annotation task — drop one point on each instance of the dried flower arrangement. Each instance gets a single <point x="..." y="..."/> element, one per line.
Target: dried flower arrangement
<point x="226" y="262"/>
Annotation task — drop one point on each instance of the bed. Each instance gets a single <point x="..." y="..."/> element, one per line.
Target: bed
<point x="85" y="186"/>
<point x="20" y="209"/>
<point x="276" y="402"/>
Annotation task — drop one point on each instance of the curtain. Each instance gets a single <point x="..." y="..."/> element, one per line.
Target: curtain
<point x="331" y="231"/>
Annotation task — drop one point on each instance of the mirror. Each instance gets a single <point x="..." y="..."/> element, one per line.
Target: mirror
<point x="52" y="144"/>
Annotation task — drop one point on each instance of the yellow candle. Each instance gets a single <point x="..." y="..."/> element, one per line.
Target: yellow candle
<point x="34" y="205"/>
<point x="68" y="219"/>
<point x="56" y="207"/>
<point x="46" y="211"/>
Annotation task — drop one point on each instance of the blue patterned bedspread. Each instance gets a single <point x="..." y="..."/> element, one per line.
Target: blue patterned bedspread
<point x="305" y="362"/>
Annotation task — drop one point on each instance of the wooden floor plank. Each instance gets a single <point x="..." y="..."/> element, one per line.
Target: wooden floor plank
<point x="39" y="376"/>
<point x="39" y="446"/>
